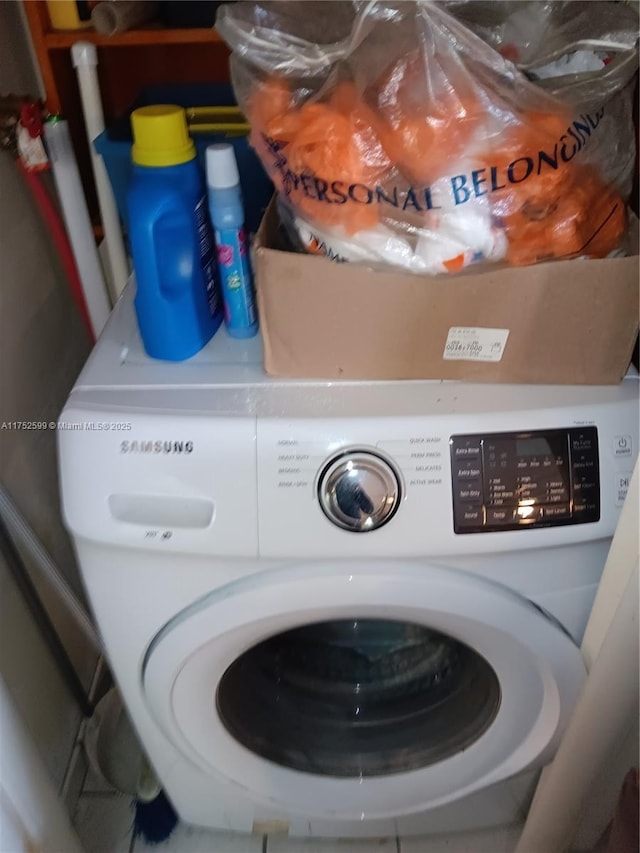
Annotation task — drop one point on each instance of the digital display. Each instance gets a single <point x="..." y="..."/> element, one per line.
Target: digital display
<point x="533" y="447"/>
<point x="510" y="481"/>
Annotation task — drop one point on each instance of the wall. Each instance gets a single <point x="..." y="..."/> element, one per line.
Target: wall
<point x="42" y="348"/>
<point x="31" y="814"/>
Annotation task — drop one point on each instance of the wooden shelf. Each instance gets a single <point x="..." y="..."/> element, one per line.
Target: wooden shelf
<point x="151" y="55"/>
<point x="152" y="35"/>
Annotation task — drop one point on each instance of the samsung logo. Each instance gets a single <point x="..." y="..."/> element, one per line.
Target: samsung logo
<point x="156" y="447"/>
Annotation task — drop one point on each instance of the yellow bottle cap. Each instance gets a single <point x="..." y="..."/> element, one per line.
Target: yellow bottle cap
<point x="160" y="136"/>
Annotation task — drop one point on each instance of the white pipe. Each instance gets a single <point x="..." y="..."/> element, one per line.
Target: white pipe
<point x="23" y="534"/>
<point x="76" y="217"/>
<point x="608" y="705"/>
<point x="85" y="60"/>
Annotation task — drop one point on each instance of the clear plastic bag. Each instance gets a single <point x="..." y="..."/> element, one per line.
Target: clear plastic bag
<point x="404" y="133"/>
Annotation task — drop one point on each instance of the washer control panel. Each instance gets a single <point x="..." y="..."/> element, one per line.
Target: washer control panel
<point x="512" y="480"/>
<point x="359" y="491"/>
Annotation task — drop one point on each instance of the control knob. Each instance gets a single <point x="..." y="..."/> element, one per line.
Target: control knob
<point x="359" y="491"/>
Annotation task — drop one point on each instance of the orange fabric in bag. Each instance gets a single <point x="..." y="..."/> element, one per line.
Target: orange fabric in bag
<point x="336" y="138"/>
<point x="551" y="215"/>
<point x="400" y="134"/>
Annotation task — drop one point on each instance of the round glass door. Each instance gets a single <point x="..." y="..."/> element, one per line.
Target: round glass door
<point x="358" y="698"/>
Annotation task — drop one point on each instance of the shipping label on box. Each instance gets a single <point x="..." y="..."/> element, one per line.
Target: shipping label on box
<point x="473" y="344"/>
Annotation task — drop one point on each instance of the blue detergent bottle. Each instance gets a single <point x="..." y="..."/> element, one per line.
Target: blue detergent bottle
<point x="178" y="302"/>
<point x="227" y="216"/>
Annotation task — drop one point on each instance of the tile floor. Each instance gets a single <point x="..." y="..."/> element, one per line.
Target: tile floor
<point x="103" y="819"/>
<point x="104" y="823"/>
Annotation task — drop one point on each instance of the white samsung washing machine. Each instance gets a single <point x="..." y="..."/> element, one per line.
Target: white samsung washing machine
<point x="340" y="609"/>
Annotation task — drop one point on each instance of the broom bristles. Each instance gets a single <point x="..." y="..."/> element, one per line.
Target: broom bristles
<point x="154" y="821"/>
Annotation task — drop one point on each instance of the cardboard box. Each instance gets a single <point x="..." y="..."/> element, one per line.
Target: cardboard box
<point x="564" y="322"/>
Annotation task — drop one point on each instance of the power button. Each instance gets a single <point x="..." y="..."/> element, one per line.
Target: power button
<point x="622" y="445"/>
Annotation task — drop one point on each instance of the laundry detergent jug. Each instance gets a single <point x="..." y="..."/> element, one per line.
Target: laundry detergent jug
<point x="178" y="301"/>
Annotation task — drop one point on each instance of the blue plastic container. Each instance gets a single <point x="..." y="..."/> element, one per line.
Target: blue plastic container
<point x="114" y="144"/>
<point x="178" y="302"/>
<point x="226" y="212"/>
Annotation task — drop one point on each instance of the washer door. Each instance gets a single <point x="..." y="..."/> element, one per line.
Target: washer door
<point x="351" y="690"/>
